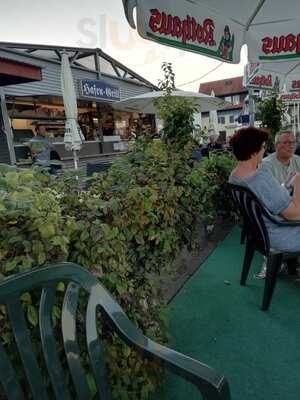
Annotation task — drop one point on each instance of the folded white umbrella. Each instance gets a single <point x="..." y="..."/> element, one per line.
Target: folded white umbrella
<point x="144" y="103"/>
<point x="213" y="118"/>
<point x="218" y="28"/>
<point x="73" y="138"/>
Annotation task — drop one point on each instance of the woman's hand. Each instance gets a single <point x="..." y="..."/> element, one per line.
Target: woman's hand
<point x="294" y="180"/>
<point x="292" y="212"/>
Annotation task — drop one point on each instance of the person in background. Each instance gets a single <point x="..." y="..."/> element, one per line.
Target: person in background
<point x="227" y="145"/>
<point x="43" y="153"/>
<point x="214" y="143"/>
<point x="40" y="147"/>
<point x="197" y="152"/>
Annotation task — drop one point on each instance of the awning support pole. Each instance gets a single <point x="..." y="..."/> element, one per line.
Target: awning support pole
<point x="251" y="108"/>
<point x="7" y="127"/>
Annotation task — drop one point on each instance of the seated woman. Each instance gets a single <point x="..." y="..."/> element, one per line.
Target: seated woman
<point x="248" y="146"/>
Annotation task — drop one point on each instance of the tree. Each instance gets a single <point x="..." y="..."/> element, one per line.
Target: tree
<point x="176" y="112"/>
<point x="270" y="113"/>
<point x="168" y="82"/>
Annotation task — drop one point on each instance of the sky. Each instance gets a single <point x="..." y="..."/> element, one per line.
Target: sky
<point x="102" y="23"/>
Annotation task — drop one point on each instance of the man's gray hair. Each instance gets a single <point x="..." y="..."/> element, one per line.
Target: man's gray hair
<point x="287" y="129"/>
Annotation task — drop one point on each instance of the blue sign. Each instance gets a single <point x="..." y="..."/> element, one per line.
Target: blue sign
<point x="99" y="90"/>
<point x="243" y="119"/>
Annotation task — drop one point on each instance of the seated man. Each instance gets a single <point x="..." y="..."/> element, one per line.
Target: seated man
<point x="283" y="166"/>
<point x="284" y="163"/>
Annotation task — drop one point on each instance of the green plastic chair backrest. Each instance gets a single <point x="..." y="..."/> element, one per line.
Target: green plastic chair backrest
<point x="209" y="383"/>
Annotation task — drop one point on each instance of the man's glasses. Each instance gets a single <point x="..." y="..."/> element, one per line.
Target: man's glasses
<point x="288" y="142"/>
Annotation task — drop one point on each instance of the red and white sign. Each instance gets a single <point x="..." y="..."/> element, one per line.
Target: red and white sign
<point x="256" y="78"/>
<point x="171" y="24"/>
<point x="295" y="84"/>
<point x="290" y="97"/>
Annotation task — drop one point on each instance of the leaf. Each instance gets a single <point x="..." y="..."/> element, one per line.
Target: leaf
<point x="91" y="384"/>
<point x="26" y="298"/>
<point x="121" y="288"/>
<point x="56" y="313"/>
<point x="60" y="287"/>
<point x="47" y="230"/>
<point x="41" y="258"/>
<point x="32" y="315"/>
<point x="10" y="265"/>
<point x="126" y="351"/>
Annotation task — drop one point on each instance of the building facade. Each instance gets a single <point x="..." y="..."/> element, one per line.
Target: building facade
<point x="100" y="81"/>
<point x="232" y="91"/>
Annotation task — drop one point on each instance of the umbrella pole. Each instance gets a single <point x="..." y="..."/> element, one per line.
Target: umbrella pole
<point x="251" y="108"/>
<point x="75" y="159"/>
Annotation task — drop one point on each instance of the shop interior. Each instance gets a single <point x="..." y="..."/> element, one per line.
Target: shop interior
<point x="99" y="122"/>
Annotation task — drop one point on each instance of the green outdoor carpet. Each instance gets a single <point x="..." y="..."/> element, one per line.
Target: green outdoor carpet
<point x="222" y="325"/>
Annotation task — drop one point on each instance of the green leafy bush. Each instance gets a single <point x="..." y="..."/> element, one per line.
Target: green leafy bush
<point x="208" y="182"/>
<point x="126" y="228"/>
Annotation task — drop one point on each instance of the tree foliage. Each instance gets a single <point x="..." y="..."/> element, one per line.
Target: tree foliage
<point x="270" y="113"/>
<point x="176" y="112"/>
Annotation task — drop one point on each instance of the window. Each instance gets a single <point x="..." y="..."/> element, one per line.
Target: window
<point x="236" y="99"/>
<point x="228" y="98"/>
<point x="221" y="120"/>
<point x="231" y="119"/>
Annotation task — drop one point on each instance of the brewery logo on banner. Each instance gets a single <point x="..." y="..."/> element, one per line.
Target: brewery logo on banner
<point x="256" y="78"/>
<point x="290" y="97"/>
<point x="265" y="81"/>
<point x="295" y="85"/>
<point x="280" y="47"/>
<point x="179" y="28"/>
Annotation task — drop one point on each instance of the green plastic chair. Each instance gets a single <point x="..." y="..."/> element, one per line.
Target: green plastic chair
<point x="211" y="385"/>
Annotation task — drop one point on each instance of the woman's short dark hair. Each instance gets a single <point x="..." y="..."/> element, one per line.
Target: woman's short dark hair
<point x="247" y="141"/>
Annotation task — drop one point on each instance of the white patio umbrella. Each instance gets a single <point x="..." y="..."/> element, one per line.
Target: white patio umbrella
<point x="284" y="76"/>
<point x="73" y="138"/>
<point x="218" y="28"/>
<point x="213" y="118"/>
<point x="144" y="103"/>
<point x="280" y="75"/>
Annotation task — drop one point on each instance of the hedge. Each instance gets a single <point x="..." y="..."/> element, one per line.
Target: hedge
<point x="126" y="226"/>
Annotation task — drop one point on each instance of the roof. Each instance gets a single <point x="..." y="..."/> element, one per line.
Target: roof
<point x="81" y="58"/>
<point x="224" y="87"/>
<point x="233" y="106"/>
<point x="13" y="72"/>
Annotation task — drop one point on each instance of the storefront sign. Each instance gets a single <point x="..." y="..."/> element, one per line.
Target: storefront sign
<point x="99" y="90"/>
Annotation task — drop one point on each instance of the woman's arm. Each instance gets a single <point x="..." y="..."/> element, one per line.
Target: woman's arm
<point x="292" y="212"/>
